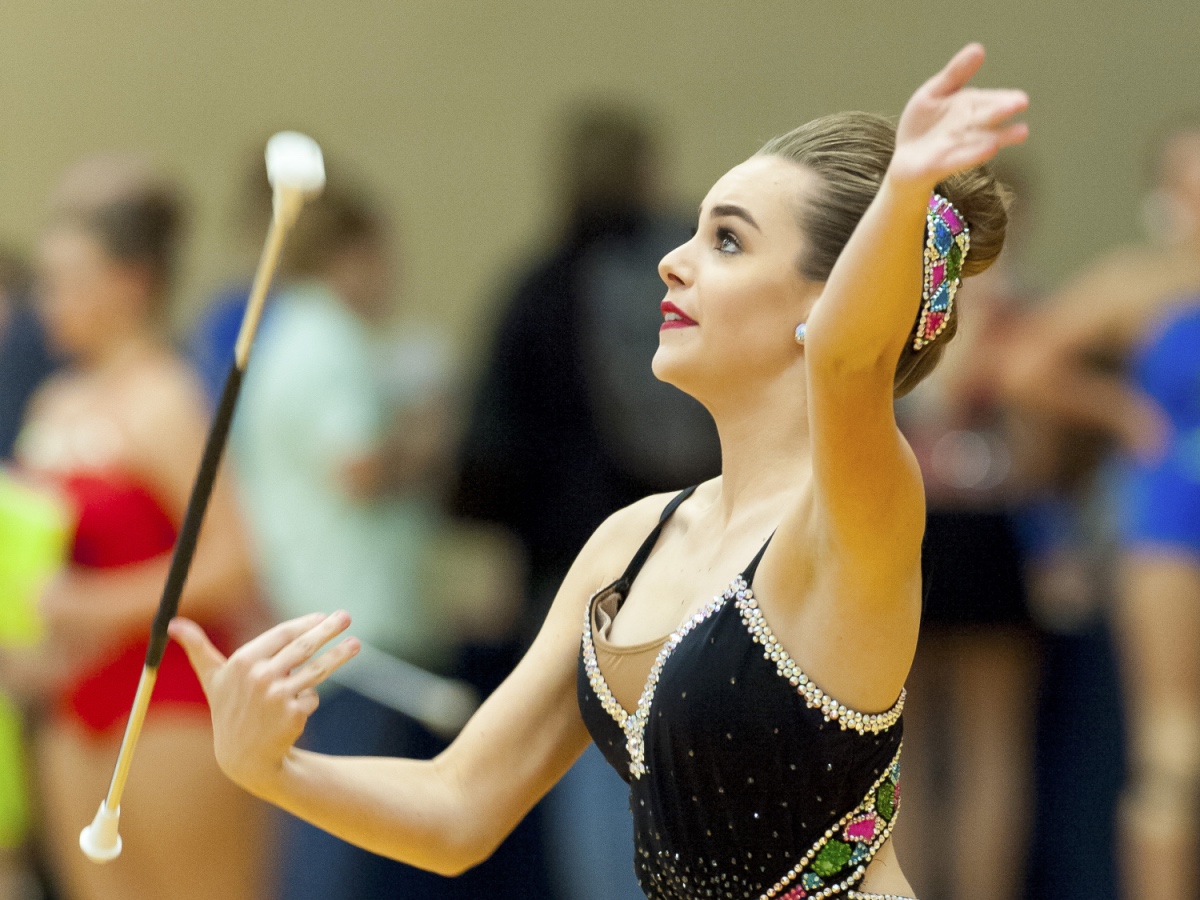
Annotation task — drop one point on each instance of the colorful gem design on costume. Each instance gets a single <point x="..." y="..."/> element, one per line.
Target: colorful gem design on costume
<point x="812" y="882"/>
<point x="833" y="858"/>
<point x="861" y="829"/>
<point x="947" y="240"/>
<point x="834" y="864"/>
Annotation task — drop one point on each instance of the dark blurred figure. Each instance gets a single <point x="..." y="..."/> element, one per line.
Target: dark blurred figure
<point x="25" y="360"/>
<point x="570" y="424"/>
<point x="970" y="712"/>
<point x="1106" y="325"/>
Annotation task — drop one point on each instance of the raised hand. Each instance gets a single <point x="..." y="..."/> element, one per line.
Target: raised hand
<point x="947" y="127"/>
<point x="262" y="695"/>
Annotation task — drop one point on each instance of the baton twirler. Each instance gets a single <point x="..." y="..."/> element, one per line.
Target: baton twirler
<point x="297" y="173"/>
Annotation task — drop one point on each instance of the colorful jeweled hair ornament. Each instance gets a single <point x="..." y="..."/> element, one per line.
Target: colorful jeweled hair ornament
<point x="947" y="240"/>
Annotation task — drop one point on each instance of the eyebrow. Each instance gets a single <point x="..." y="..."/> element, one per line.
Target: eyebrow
<point x="729" y="209"/>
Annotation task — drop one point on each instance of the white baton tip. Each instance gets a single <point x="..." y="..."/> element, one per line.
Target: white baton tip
<point x="294" y="162"/>
<point x="99" y="841"/>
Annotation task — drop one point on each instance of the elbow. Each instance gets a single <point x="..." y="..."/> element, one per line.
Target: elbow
<point x="462" y="854"/>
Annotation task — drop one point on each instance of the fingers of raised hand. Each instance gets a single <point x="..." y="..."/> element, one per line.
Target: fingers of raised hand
<point x="991" y="107"/>
<point x="307" y="702"/>
<point x="305" y="645"/>
<point x="957" y="72"/>
<point x="275" y="639"/>
<point x="315" y="671"/>
<point x="204" y="657"/>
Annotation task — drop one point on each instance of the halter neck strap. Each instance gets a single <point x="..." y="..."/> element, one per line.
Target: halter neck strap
<point x="639" y="559"/>
<point x="748" y="574"/>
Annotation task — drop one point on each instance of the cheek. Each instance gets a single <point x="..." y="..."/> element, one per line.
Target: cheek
<point x="75" y="318"/>
<point x="739" y="336"/>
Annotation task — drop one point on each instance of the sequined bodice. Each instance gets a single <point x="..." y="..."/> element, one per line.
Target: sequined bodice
<point x="746" y="780"/>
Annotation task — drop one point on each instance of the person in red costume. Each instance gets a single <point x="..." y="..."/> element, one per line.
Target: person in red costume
<point x="119" y="434"/>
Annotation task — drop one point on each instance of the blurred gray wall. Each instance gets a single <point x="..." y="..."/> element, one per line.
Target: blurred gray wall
<point x="447" y="106"/>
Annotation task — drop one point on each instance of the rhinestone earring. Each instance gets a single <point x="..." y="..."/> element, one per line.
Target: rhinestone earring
<point x="800" y="334"/>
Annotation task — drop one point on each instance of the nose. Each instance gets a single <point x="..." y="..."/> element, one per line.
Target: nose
<point x="674" y="268"/>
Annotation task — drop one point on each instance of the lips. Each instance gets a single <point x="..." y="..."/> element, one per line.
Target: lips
<point x="674" y="317"/>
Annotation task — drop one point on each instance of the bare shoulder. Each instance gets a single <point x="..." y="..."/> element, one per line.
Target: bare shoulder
<point x="166" y="414"/>
<point x="600" y="563"/>
<point x="59" y="388"/>
<point x="166" y="401"/>
<point x="615" y="542"/>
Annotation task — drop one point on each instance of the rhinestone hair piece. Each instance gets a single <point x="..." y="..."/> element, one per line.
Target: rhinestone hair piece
<point x="947" y="240"/>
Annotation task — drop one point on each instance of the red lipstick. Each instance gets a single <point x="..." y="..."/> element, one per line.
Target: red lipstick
<point x="674" y="317"/>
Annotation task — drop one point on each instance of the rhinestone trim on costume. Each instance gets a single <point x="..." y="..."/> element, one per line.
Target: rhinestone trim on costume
<point x="634" y="725"/>
<point x="848" y="847"/>
<point x="814" y="697"/>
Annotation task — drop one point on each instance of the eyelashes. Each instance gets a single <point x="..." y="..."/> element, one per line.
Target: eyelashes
<point x="727" y="241"/>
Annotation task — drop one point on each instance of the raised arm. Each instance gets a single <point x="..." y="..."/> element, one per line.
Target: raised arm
<point x="446" y="814"/>
<point x="867" y="488"/>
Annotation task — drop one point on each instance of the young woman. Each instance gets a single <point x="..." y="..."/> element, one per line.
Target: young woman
<point x="746" y="778"/>
<point x="119" y="432"/>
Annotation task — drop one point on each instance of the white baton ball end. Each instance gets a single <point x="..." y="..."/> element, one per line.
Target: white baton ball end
<point x="294" y="162"/>
<point x="100" y="841"/>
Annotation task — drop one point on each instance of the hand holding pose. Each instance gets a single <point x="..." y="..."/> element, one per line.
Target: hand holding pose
<point x="264" y="692"/>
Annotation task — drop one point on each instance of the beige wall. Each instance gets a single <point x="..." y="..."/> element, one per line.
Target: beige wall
<point x="446" y="106"/>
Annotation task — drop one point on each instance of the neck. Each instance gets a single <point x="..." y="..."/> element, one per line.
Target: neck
<point x="765" y="451"/>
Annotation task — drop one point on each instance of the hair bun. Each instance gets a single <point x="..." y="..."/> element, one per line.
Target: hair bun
<point x="984" y="202"/>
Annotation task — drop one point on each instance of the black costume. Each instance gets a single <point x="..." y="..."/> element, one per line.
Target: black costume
<point x="746" y="781"/>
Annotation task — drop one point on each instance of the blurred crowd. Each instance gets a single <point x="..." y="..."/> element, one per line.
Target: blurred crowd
<point x="1053" y="722"/>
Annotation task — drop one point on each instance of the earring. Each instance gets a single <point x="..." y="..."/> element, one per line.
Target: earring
<point x="800" y="334"/>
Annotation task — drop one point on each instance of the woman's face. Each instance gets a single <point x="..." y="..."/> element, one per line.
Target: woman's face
<point x="85" y="298"/>
<point x="734" y="291"/>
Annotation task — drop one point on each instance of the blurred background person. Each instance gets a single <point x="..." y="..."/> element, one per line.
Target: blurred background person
<point x="340" y="439"/>
<point x="118" y="434"/>
<point x="1159" y="617"/>
<point x="970" y="715"/>
<point x="569" y="425"/>
<point x="24" y="362"/>
<point x="1105" y="325"/>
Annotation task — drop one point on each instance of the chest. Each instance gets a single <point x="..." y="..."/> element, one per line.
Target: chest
<point x="734" y="755"/>
<point x="80" y="429"/>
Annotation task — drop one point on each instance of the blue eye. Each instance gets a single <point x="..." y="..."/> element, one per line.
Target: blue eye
<point x="727" y="241"/>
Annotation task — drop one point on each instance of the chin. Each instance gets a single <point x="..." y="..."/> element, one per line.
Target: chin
<point x="675" y="366"/>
